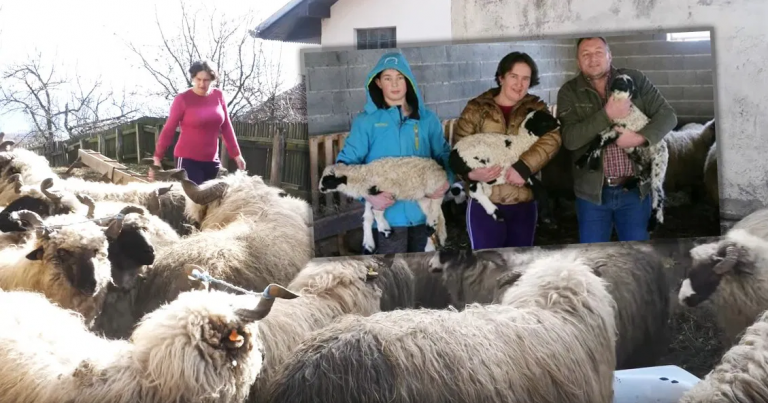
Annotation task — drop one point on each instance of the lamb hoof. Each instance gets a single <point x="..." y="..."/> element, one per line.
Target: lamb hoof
<point x="386" y="232"/>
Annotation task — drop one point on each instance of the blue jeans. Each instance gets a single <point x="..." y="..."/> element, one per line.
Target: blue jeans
<point x="619" y="208"/>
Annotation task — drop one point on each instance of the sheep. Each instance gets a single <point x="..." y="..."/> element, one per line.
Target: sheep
<point x="32" y="168"/>
<point x="329" y="289"/>
<point x="551" y="339"/>
<point x="711" y="176"/>
<point x="406" y="178"/>
<point x="201" y="347"/>
<point x="692" y="126"/>
<point x="732" y="274"/>
<point x="637" y="276"/>
<point x="742" y="373"/>
<point x="488" y="149"/>
<point x="247" y="237"/>
<point x="67" y="261"/>
<point x="43" y="201"/>
<point x="687" y="158"/>
<point x="652" y="160"/>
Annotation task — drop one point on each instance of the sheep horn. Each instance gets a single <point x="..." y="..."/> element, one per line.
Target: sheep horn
<point x="114" y="228"/>
<point x="203" y="195"/>
<point x="7" y="145"/>
<point x="33" y="219"/>
<point x="18" y="183"/>
<point x="732" y="254"/>
<point x="265" y="303"/>
<point x="45" y="185"/>
<point x="87" y="201"/>
<point x="179" y="173"/>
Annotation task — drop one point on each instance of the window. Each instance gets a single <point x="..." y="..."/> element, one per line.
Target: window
<point x="688" y="36"/>
<point x="376" y="38"/>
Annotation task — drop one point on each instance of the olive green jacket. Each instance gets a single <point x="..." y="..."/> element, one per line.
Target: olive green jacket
<point x="582" y="116"/>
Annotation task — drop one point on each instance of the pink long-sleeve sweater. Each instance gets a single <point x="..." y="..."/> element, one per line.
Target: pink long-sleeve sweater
<point x="202" y="118"/>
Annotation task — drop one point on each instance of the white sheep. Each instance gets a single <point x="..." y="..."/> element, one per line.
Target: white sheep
<point x="711" y="176"/>
<point x="687" y="155"/>
<point x="406" y="178"/>
<point x="482" y="150"/>
<point x="201" y="347"/>
<point x="732" y="274"/>
<point x="652" y="160"/>
<point x="551" y="339"/>
<point x="742" y="373"/>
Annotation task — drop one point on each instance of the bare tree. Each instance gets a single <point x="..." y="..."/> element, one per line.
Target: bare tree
<point x="246" y="75"/>
<point x="59" y="107"/>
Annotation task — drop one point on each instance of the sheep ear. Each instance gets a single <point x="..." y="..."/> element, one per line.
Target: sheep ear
<point x="507" y="279"/>
<point x="36" y="254"/>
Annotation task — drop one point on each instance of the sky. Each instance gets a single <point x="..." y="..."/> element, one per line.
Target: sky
<point x="83" y="36"/>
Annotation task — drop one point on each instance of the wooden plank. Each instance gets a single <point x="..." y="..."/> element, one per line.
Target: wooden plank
<point x="111" y="169"/>
<point x="138" y="143"/>
<point x="338" y="223"/>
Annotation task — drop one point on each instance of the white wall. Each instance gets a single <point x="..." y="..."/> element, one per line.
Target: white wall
<point x="417" y="21"/>
<point x="738" y="45"/>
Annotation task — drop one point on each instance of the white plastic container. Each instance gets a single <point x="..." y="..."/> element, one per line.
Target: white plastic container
<point x="663" y="384"/>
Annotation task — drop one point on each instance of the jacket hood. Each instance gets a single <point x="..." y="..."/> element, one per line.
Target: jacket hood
<point x="374" y="96"/>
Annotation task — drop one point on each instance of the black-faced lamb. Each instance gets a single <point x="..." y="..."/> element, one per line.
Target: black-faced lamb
<point x="732" y="274"/>
<point x="652" y="160"/>
<point x="329" y="289"/>
<point x="551" y="339"/>
<point x="201" y="347"/>
<point x="711" y="176"/>
<point x="406" y="178"/>
<point x="482" y="150"/>
<point x="637" y="277"/>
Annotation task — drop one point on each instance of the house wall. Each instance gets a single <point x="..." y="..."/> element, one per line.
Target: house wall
<point x="406" y="15"/>
<point x="740" y="80"/>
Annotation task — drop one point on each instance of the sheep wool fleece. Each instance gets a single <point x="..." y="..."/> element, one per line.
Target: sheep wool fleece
<point x="380" y="131"/>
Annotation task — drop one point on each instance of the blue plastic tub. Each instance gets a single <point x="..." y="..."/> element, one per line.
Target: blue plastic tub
<point x="663" y="384"/>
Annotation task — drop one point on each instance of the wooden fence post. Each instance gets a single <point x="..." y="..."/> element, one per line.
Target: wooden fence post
<point x="278" y="155"/>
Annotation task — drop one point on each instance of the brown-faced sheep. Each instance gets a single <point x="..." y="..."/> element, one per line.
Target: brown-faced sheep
<point x="742" y="373"/>
<point x="732" y="274"/>
<point x="201" y="347"/>
<point x="550" y="340"/>
<point x="637" y="277"/>
<point x="329" y="290"/>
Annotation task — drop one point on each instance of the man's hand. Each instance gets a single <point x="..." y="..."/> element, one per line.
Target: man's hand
<point x="381" y="201"/>
<point x="617" y="108"/>
<point x="485" y="174"/>
<point x="513" y="177"/>
<point x="628" y="138"/>
<point x="439" y="193"/>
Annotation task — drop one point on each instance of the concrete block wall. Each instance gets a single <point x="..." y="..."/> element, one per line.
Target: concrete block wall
<point x="447" y="75"/>
<point x="682" y="71"/>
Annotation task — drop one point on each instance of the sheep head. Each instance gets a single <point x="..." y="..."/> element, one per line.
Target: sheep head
<point x="332" y="181"/>
<point x="78" y="251"/>
<point x="540" y="122"/>
<point x="709" y="263"/>
<point x="623" y="87"/>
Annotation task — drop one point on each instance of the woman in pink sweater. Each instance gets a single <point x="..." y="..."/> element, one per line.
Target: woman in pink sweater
<point x="202" y="113"/>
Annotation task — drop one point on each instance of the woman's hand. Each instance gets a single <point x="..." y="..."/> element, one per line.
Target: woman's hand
<point x="513" y="177"/>
<point x="485" y="174"/>
<point x="439" y="193"/>
<point x="151" y="173"/>
<point x="381" y="201"/>
<point x="240" y="162"/>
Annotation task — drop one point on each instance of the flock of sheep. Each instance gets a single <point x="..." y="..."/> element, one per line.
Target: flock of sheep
<point x="98" y="304"/>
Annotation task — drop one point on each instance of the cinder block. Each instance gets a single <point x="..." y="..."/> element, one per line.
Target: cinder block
<point x="488" y="69"/>
<point x="352" y="58"/>
<point x="434" y="54"/>
<point x="413" y="55"/>
<point x="657" y="77"/>
<point x="321" y="59"/>
<point x="319" y="103"/>
<point x="327" y="78"/>
<point x="436" y="93"/>
<point x="693" y="108"/>
<point x="699" y="93"/>
<point x="698" y="62"/>
<point x="348" y="102"/>
<point x="681" y="77"/>
<point x="460" y="53"/>
<point x="317" y="125"/>
<point x="468" y="71"/>
<point x="672" y="92"/>
<point x="704" y="77"/>
<point x="356" y="76"/>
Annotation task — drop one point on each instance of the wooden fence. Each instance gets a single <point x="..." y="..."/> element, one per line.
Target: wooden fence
<point x="134" y="141"/>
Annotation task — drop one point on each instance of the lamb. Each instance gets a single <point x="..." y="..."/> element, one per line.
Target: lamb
<point x="742" y="373"/>
<point x="201" y="347"/>
<point x="652" y="160"/>
<point x="732" y="274"/>
<point x="482" y="150"/>
<point x="687" y="156"/>
<point x="406" y="178"/>
<point x="635" y="272"/>
<point x="67" y="261"/>
<point x="247" y="237"/>
<point x="329" y="290"/>
<point x="711" y="175"/>
<point x="551" y="339"/>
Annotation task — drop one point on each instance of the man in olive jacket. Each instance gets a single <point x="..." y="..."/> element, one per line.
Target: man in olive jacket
<point x="584" y="110"/>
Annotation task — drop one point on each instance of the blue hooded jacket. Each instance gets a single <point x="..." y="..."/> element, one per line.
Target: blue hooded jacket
<point x="380" y="132"/>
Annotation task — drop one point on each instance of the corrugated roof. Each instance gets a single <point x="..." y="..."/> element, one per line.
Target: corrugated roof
<point x="298" y="21"/>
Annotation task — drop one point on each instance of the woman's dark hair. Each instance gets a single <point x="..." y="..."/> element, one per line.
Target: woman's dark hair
<point x="377" y="96"/>
<point x="202" y="65"/>
<point x="508" y="61"/>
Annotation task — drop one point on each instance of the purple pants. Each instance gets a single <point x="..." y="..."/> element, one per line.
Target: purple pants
<point x="199" y="171"/>
<point x="518" y="228"/>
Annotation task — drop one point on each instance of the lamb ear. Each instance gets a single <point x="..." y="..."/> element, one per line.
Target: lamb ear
<point x="36" y="254"/>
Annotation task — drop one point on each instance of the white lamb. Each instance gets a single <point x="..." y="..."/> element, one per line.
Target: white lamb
<point x="482" y="150"/>
<point x="406" y="178"/>
<point x="653" y="160"/>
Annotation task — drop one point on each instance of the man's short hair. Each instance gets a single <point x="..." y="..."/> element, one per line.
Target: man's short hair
<point x="602" y="38"/>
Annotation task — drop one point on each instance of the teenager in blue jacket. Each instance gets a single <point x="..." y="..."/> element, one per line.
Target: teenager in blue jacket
<point x="395" y="123"/>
